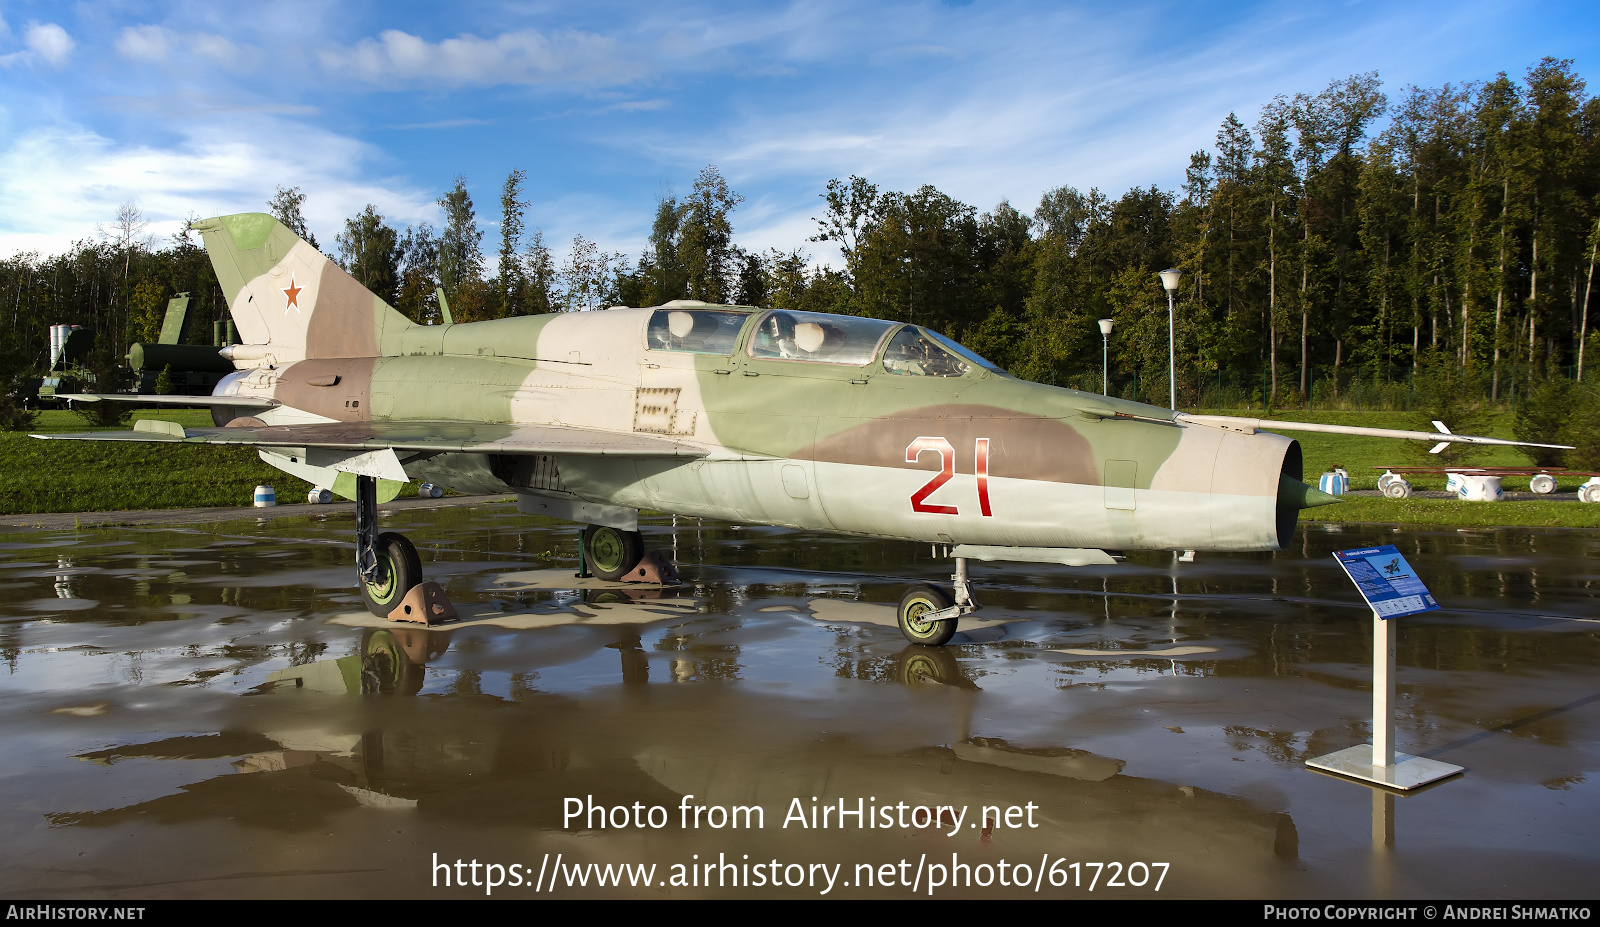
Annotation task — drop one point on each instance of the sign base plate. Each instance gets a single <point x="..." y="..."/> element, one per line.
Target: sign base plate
<point x="1408" y="772"/>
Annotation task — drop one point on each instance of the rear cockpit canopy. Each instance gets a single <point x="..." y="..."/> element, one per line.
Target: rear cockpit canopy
<point x="695" y="331"/>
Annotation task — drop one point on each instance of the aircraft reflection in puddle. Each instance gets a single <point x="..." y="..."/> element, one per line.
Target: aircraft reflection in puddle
<point x="390" y="660"/>
<point x="481" y="760"/>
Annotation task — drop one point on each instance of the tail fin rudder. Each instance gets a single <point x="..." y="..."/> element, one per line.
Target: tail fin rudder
<point x="284" y="293"/>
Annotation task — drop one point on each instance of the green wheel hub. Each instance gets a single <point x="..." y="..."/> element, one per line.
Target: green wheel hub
<point x="608" y="550"/>
<point x="383" y="593"/>
<point x="915" y="606"/>
<point x="611" y="553"/>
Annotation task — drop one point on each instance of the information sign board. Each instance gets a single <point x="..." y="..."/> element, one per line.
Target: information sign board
<point x="1386" y="581"/>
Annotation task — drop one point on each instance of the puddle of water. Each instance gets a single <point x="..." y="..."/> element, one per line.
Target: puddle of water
<point x="188" y="709"/>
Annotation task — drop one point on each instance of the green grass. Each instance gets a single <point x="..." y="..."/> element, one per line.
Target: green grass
<point x="89" y="476"/>
<point x="1450" y="512"/>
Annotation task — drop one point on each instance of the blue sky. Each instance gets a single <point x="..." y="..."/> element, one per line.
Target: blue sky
<point x="205" y="108"/>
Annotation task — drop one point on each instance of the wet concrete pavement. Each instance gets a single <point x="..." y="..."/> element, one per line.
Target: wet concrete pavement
<point x="205" y="710"/>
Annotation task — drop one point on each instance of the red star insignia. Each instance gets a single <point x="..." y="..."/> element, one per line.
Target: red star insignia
<point x="293" y="293"/>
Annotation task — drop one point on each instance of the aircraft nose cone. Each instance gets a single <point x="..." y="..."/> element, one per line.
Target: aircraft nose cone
<point x="1293" y="494"/>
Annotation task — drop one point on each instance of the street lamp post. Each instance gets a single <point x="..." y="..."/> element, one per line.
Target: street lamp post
<point x="1105" y="355"/>
<point x="1169" y="282"/>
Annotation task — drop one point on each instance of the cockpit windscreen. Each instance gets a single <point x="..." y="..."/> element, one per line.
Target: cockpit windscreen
<point x="912" y="353"/>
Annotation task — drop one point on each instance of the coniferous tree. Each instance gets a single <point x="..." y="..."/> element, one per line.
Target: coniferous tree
<point x="369" y="250"/>
<point x="706" y="252"/>
<point x="538" y="276"/>
<point x="662" y="274"/>
<point x="513" y="273"/>
<point x="419" y="276"/>
<point x="460" y="243"/>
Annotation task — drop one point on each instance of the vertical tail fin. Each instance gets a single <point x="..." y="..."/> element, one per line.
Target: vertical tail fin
<point x="286" y="294"/>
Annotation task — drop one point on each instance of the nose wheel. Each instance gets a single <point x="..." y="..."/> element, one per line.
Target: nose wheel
<point x="928" y="613"/>
<point x="916" y="606"/>
<point x="398" y="569"/>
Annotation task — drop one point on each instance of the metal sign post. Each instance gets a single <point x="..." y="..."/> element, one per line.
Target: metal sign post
<point x="1393" y="590"/>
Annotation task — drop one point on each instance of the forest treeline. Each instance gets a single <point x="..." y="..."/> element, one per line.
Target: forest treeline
<point x="1343" y="234"/>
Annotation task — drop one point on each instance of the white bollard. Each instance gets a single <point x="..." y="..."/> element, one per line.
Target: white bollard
<point x="1397" y="487"/>
<point x="1472" y="487"/>
<point x="265" y="497"/>
<point x="1544" y="484"/>
<point x="1590" y="491"/>
<point x="430" y="491"/>
<point x="319" y="496"/>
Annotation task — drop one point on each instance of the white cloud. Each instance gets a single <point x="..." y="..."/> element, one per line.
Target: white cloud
<point x="189" y="104"/>
<point x="50" y="42"/>
<point x="58" y="183"/>
<point x="523" y="57"/>
<point x="158" y="45"/>
<point x="145" y="43"/>
<point x="45" y="42"/>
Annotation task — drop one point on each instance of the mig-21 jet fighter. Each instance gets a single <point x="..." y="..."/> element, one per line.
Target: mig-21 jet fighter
<point x="822" y="422"/>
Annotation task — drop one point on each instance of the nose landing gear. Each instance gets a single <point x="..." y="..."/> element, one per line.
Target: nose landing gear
<point x="394" y="569"/>
<point x="928" y="613"/>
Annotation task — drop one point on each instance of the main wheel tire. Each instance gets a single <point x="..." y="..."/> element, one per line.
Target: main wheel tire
<point x="919" y="601"/>
<point x="611" y="553"/>
<point x="402" y="569"/>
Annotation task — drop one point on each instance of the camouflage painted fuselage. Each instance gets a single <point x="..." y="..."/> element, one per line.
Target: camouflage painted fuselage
<point x="980" y="458"/>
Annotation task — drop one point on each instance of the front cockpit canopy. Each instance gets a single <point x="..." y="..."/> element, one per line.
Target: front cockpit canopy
<point x="817" y="336"/>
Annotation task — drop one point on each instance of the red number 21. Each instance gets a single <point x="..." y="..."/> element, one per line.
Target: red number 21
<point x="947" y="459"/>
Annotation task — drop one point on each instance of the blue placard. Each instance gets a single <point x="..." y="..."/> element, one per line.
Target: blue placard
<point x="1386" y="581"/>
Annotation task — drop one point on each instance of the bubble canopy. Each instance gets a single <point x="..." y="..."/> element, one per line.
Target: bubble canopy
<point x="812" y="336"/>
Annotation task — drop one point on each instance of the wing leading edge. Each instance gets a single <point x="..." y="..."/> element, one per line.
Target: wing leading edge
<point x="463" y="437"/>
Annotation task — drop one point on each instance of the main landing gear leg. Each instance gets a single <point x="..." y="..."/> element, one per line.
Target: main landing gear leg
<point x="389" y="570"/>
<point x="619" y="556"/>
<point x="928" y="613"/>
